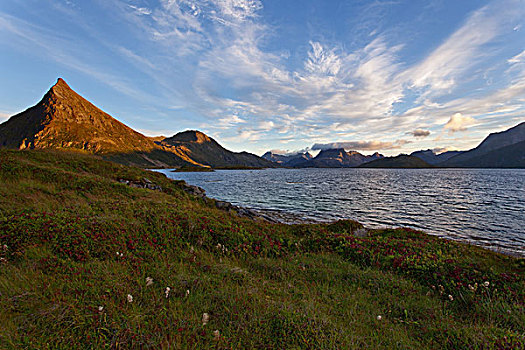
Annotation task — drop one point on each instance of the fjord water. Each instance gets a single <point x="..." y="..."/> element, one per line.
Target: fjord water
<point x="481" y="206"/>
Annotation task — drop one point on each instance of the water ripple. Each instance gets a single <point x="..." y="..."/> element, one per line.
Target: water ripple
<point x="482" y="206"/>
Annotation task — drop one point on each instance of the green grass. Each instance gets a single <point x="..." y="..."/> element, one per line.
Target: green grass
<point x="64" y="217"/>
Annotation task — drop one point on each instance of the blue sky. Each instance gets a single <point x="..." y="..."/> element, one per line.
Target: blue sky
<point x="387" y="76"/>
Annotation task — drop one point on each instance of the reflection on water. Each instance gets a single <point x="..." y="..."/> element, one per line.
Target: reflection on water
<point x="483" y="206"/>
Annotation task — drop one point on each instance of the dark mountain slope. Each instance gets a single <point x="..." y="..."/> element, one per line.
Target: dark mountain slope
<point x="401" y="161"/>
<point x="205" y="150"/>
<point x="431" y="158"/>
<point x="492" y="143"/>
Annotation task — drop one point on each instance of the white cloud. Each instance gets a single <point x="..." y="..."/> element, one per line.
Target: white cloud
<point x="141" y="10"/>
<point x="266" y="125"/>
<point x="459" y="122"/>
<point x="322" y="61"/>
<point x="236" y="10"/>
<point x="464" y="49"/>
<point x="519" y="58"/>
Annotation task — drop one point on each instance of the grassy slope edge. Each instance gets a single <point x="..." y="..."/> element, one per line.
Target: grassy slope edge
<point x="74" y="243"/>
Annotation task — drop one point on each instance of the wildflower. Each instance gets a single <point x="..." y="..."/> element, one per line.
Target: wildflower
<point x="471" y="288"/>
<point x="149" y="281"/>
<point x="486" y="284"/>
<point x="100" y="308"/>
<point x="450" y="297"/>
<point x="192" y="250"/>
<point x="187" y="292"/>
<point x="167" y="292"/>
<point x="5" y="247"/>
<point x="216" y="335"/>
<point x="130" y="298"/>
<point x="205" y="319"/>
<point x="379" y="317"/>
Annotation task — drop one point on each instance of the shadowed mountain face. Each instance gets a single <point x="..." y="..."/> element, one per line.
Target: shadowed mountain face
<point x="206" y="151"/>
<point x="339" y="158"/>
<point x="401" y="161"/>
<point x="502" y="149"/>
<point x="288" y="160"/>
<point x="65" y="120"/>
<point x="431" y="158"/>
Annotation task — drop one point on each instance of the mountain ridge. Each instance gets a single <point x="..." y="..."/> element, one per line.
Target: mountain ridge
<point x="488" y="148"/>
<point x="65" y="120"/>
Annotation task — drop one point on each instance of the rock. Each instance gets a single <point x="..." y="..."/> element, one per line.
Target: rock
<point x="194" y="190"/>
<point x="138" y="184"/>
<point x="223" y="205"/>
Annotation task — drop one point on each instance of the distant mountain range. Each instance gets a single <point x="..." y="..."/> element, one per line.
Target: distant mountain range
<point x="339" y="158"/>
<point x="290" y="160"/>
<point x="432" y="158"/>
<point x="401" y="161"/>
<point x="65" y="120"/>
<point x="504" y="149"/>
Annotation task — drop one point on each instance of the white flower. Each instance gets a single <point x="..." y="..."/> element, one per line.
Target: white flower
<point x="100" y="308"/>
<point x="167" y="292"/>
<point x="187" y="292"/>
<point x="205" y="319"/>
<point x="149" y="281"/>
<point x="486" y="284"/>
<point x="216" y="335"/>
<point x="450" y="297"/>
<point x="130" y="298"/>
<point x="379" y="317"/>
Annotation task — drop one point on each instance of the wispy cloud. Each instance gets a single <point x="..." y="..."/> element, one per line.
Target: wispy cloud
<point x="212" y="59"/>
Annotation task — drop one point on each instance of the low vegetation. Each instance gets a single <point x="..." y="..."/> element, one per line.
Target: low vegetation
<point x="88" y="261"/>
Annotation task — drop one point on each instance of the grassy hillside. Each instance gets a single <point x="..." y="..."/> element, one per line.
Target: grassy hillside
<point x="86" y="261"/>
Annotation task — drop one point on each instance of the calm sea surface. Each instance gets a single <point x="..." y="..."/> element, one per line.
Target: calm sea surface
<point x="482" y="206"/>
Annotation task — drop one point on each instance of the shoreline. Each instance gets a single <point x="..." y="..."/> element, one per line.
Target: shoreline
<point x="288" y="218"/>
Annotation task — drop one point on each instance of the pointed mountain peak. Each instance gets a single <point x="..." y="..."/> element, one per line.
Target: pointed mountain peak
<point x="60" y="88"/>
